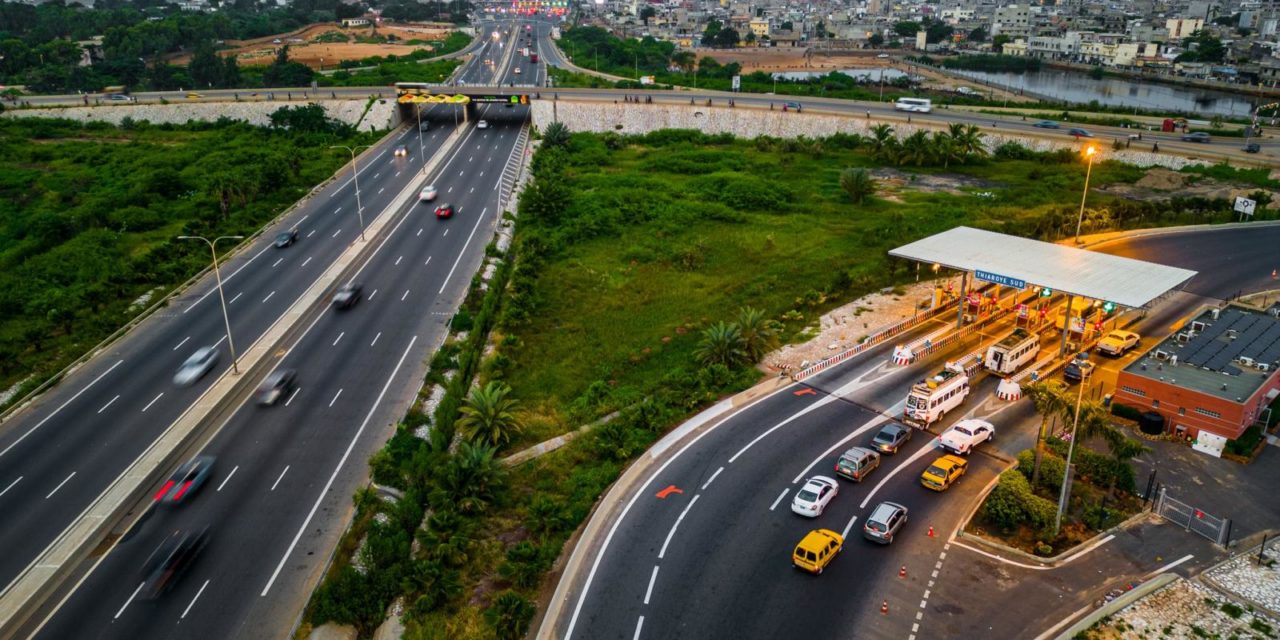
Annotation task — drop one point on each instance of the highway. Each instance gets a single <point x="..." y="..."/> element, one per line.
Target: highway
<point x="281" y="490"/>
<point x="714" y="561"/>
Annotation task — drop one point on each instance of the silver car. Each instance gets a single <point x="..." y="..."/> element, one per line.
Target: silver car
<point x="196" y="366"/>
<point x="885" y="522"/>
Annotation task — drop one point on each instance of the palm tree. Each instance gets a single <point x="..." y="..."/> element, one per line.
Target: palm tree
<point x="556" y="135"/>
<point x="489" y="415"/>
<point x="722" y="343"/>
<point x="759" y="333"/>
<point x="968" y="138"/>
<point x="916" y="149"/>
<point x="945" y="147"/>
<point x="1049" y="398"/>
<point x="858" y="183"/>
<point x="471" y="480"/>
<point x="684" y="59"/>
<point x="883" y="142"/>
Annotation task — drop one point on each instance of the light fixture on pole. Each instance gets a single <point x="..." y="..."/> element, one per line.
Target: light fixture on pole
<point x="1089" y="152"/>
<point x="355" y="176"/>
<point x="218" y="274"/>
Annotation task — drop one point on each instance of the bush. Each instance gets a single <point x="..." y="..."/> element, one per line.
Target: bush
<point x="509" y="615"/>
<point x="1100" y="469"/>
<point x="1012" y="504"/>
<point x="1125" y="411"/>
<point x="1051" y="469"/>
<point x="1245" y="444"/>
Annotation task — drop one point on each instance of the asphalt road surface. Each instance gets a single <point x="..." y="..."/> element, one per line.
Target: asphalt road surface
<point x="714" y="560"/>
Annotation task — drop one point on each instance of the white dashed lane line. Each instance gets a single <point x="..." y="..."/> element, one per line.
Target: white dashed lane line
<point x="228" y="478"/>
<point x="427" y="262"/>
<point x="233" y="300"/>
<point x="126" y="602"/>
<point x="286" y="470"/>
<point x="264" y="300"/>
<point x="711" y="479"/>
<point x="60" y="485"/>
<point x="845" y="534"/>
<point x="311" y="233"/>
<point x="375" y="339"/>
<point x="153" y="401"/>
<point x="335" y="342"/>
<point x="335" y="233"/>
<point x="184" y="341"/>
<point x="335" y="398"/>
<point x="11" y="485"/>
<point x="652" y="578"/>
<point x="304" y="262"/>
<point x="292" y="396"/>
<point x="109" y="403"/>
<point x="336" y="211"/>
<point x="676" y="524"/>
<point x="639" y="625"/>
<point x="780" y="497"/>
<point x="406" y="295"/>
<point x="375" y="292"/>
<point x="193" y="600"/>
<point x="398" y="260"/>
<point x="278" y="261"/>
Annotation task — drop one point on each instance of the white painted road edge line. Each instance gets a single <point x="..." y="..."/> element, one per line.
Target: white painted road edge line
<point x="998" y="558"/>
<point x="1144" y="578"/>
<point x="652" y="578"/>
<point x="334" y="476"/>
<point x="670" y="534"/>
<point x="845" y="534"/>
<point x="61" y="407"/>
<point x="780" y="497"/>
<point x="193" y="600"/>
<point x="228" y="478"/>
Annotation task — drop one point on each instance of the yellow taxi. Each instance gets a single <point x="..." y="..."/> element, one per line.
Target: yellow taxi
<point x="943" y="472"/>
<point x="818" y="548"/>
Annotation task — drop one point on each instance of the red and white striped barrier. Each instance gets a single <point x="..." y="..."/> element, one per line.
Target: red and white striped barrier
<point x="902" y="355"/>
<point x="1008" y="390"/>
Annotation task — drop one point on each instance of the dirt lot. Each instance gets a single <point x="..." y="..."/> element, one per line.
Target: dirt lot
<point x="304" y="48"/>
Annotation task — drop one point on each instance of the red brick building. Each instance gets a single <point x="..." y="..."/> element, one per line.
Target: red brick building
<point x="1217" y="374"/>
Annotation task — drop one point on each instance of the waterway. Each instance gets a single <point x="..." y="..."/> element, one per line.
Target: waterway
<point x="1071" y="86"/>
<point x="865" y="75"/>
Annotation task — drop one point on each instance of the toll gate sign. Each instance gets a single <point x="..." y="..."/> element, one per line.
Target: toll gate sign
<point x="1004" y="281"/>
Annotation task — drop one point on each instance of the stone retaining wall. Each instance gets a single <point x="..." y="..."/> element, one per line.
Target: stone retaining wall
<point x="382" y="114"/>
<point x="744" y="122"/>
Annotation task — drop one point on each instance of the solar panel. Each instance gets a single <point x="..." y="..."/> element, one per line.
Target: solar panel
<point x="1232" y="370"/>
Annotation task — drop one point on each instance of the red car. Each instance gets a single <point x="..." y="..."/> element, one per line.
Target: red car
<point x="444" y="211"/>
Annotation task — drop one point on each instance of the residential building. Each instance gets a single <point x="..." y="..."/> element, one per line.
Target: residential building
<point x="1213" y="378"/>
<point x="1180" y="28"/>
<point x="1013" y="20"/>
<point x="760" y="27"/>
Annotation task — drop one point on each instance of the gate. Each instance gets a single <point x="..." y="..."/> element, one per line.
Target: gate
<point x="1192" y="519"/>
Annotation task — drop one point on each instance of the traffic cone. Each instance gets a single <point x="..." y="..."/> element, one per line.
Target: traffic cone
<point x="930" y="531"/>
<point x="884" y="607"/>
<point x="1273" y="274"/>
<point x="902" y="573"/>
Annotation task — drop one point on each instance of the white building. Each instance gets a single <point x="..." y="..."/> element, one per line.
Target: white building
<point x="1013" y="20"/>
<point x="1180" y="28"/>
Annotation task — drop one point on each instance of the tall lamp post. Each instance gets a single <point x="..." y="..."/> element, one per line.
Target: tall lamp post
<point x="218" y="274"/>
<point x="1089" y="152"/>
<point x="1071" y="449"/>
<point x="421" y="153"/>
<point x="355" y="175"/>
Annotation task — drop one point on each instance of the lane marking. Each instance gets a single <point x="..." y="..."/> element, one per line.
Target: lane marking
<point x="446" y="232"/>
<point x="304" y="262"/>
<point x="131" y="597"/>
<point x="1144" y="578"/>
<point x="220" y="341"/>
<point x="109" y="403"/>
<point x="335" y="233"/>
<point x="333" y="476"/>
<point x="264" y="300"/>
<point x="780" y="497"/>
<point x="286" y="470"/>
<point x="639" y="624"/>
<point x="375" y="339"/>
<point x="847" y="527"/>
<point x="153" y="401"/>
<point x="292" y="396"/>
<point x="60" y="484"/>
<point x="652" y="578"/>
<point x="925" y="450"/>
<point x="335" y="342"/>
<point x="406" y="295"/>
<point x="672" y="532"/>
<point x="228" y="478"/>
<point x="233" y="300"/>
<point x="60" y="408"/>
<point x="277" y="262"/>
<point x="193" y="600"/>
<point x="380" y="190"/>
<point x="230" y="277"/>
<point x="11" y="485"/>
<point x="870" y="424"/>
<point x="375" y="292"/>
<point x="398" y="260"/>
<point x="335" y="398"/>
<point x="312" y="233"/>
<point x="712" y="478"/>
<point x="184" y="341"/>
<point x="464" y="250"/>
<point x="337" y="211"/>
<point x="419" y="232"/>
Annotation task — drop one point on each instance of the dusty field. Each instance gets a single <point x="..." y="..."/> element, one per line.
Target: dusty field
<point x="304" y="48"/>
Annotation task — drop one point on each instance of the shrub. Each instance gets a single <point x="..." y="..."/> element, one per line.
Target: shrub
<point x="1245" y="444"/>
<point x="524" y="565"/>
<point x="1011" y="504"/>
<point x="1125" y="411"/>
<point x="1051" y="469"/>
<point x="509" y="615"/>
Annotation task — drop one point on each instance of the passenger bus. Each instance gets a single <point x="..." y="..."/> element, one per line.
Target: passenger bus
<point x="933" y="397"/>
<point x="916" y="105"/>
<point x="1012" y="351"/>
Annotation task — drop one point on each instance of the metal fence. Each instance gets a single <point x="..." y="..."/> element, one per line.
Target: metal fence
<point x="1215" y="528"/>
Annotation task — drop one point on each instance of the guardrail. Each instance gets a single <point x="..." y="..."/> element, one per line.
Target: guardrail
<point x="872" y="340"/>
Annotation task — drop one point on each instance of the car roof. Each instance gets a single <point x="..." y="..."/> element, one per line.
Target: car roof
<point x="884" y="510"/>
<point x="820" y="481"/>
<point x="973" y="423"/>
<point x="857" y="452"/>
<point x="948" y="461"/>
<point x="817" y="539"/>
<point x="892" y="428"/>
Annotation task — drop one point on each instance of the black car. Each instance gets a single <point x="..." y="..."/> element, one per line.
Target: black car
<point x="286" y="238"/>
<point x="277" y="385"/>
<point x="1252" y="147"/>
<point x="1198" y="136"/>
<point x="1077" y="370"/>
<point x="891" y="438"/>
<point x="170" y="560"/>
<point x="347" y="296"/>
<point x="185" y="481"/>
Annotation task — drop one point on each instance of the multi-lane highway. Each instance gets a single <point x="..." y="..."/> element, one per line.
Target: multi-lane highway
<point x="284" y="475"/>
<point x="714" y="561"/>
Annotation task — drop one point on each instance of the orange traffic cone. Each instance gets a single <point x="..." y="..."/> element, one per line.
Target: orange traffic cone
<point x="1273" y="274"/>
<point x="884" y="607"/>
<point x="930" y="531"/>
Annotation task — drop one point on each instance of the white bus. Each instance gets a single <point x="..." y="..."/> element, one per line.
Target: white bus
<point x="932" y="397"/>
<point x="917" y="105"/>
<point x="1012" y="351"/>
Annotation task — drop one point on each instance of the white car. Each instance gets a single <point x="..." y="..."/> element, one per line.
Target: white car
<point x="401" y="152"/>
<point x="483" y="124"/>
<point x="428" y="194"/>
<point x="1117" y="342"/>
<point x="963" y="436"/>
<point x="196" y="366"/>
<point x="883" y="55"/>
<point x="517" y="71"/>
<point x="813" y="497"/>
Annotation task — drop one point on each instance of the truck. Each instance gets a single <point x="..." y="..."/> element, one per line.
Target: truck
<point x="931" y="398"/>
<point x="533" y="57"/>
<point x="1012" y="351"/>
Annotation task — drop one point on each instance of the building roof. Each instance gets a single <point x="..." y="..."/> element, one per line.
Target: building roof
<point x="1124" y="281"/>
<point x="1230" y="356"/>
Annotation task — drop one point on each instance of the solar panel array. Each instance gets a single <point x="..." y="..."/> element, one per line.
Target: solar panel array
<point x="1257" y="338"/>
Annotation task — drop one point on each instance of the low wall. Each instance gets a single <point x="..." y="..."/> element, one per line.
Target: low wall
<point x="747" y="122"/>
<point x="382" y="114"/>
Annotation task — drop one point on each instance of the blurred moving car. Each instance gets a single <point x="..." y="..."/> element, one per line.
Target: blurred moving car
<point x="445" y="211"/>
<point x="346" y="296"/>
<point x="401" y="152"/>
<point x="1079" y="133"/>
<point x="166" y="565"/>
<point x="428" y="193"/>
<point x="196" y="366"/>
<point x="1252" y="147"/>
<point x="1198" y="136"/>
<point x="277" y="385"/>
<point x="483" y="124"/>
<point x="1047" y="124"/>
<point x="185" y="481"/>
<point x="285" y="239"/>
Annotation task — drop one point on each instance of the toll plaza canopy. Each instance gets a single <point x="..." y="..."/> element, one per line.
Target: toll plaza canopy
<point x="1021" y="262"/>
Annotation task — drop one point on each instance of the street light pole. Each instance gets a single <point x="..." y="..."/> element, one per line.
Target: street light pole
<point x="1066" y="474"/>
<point x="1089" y="152"/>
<point x="218" y="274"/>
<point x="421" y="154"/>
<point x="355" y="176"/>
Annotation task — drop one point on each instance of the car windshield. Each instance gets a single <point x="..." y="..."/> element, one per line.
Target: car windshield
<point x="935" y="470"/>
<point x="963" y="430"/>
<point x="806" y="495"/>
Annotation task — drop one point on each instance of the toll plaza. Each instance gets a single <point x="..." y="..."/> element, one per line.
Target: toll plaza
<point x="1037" y="288"/>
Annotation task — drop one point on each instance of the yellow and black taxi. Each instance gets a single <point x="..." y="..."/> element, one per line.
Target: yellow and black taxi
<point x="818" y="548"/>
<point x="943" y="472"/>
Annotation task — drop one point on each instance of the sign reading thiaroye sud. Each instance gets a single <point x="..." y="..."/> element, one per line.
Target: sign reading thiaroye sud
<point x="1001" y="280"/>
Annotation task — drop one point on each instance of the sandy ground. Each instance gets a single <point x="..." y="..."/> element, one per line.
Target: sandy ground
<point x="304" y="49"/>
<point x="1185" y="610"/>
<point x="844" y="326"/>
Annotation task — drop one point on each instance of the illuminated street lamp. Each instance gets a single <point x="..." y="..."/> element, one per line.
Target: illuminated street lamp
<point x="218" y="274"/>
<point x="1089" y="152"/>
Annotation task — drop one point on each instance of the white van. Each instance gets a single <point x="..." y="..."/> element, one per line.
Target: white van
<point x="916" y="105"/>
<point x="1011" y="352"/>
